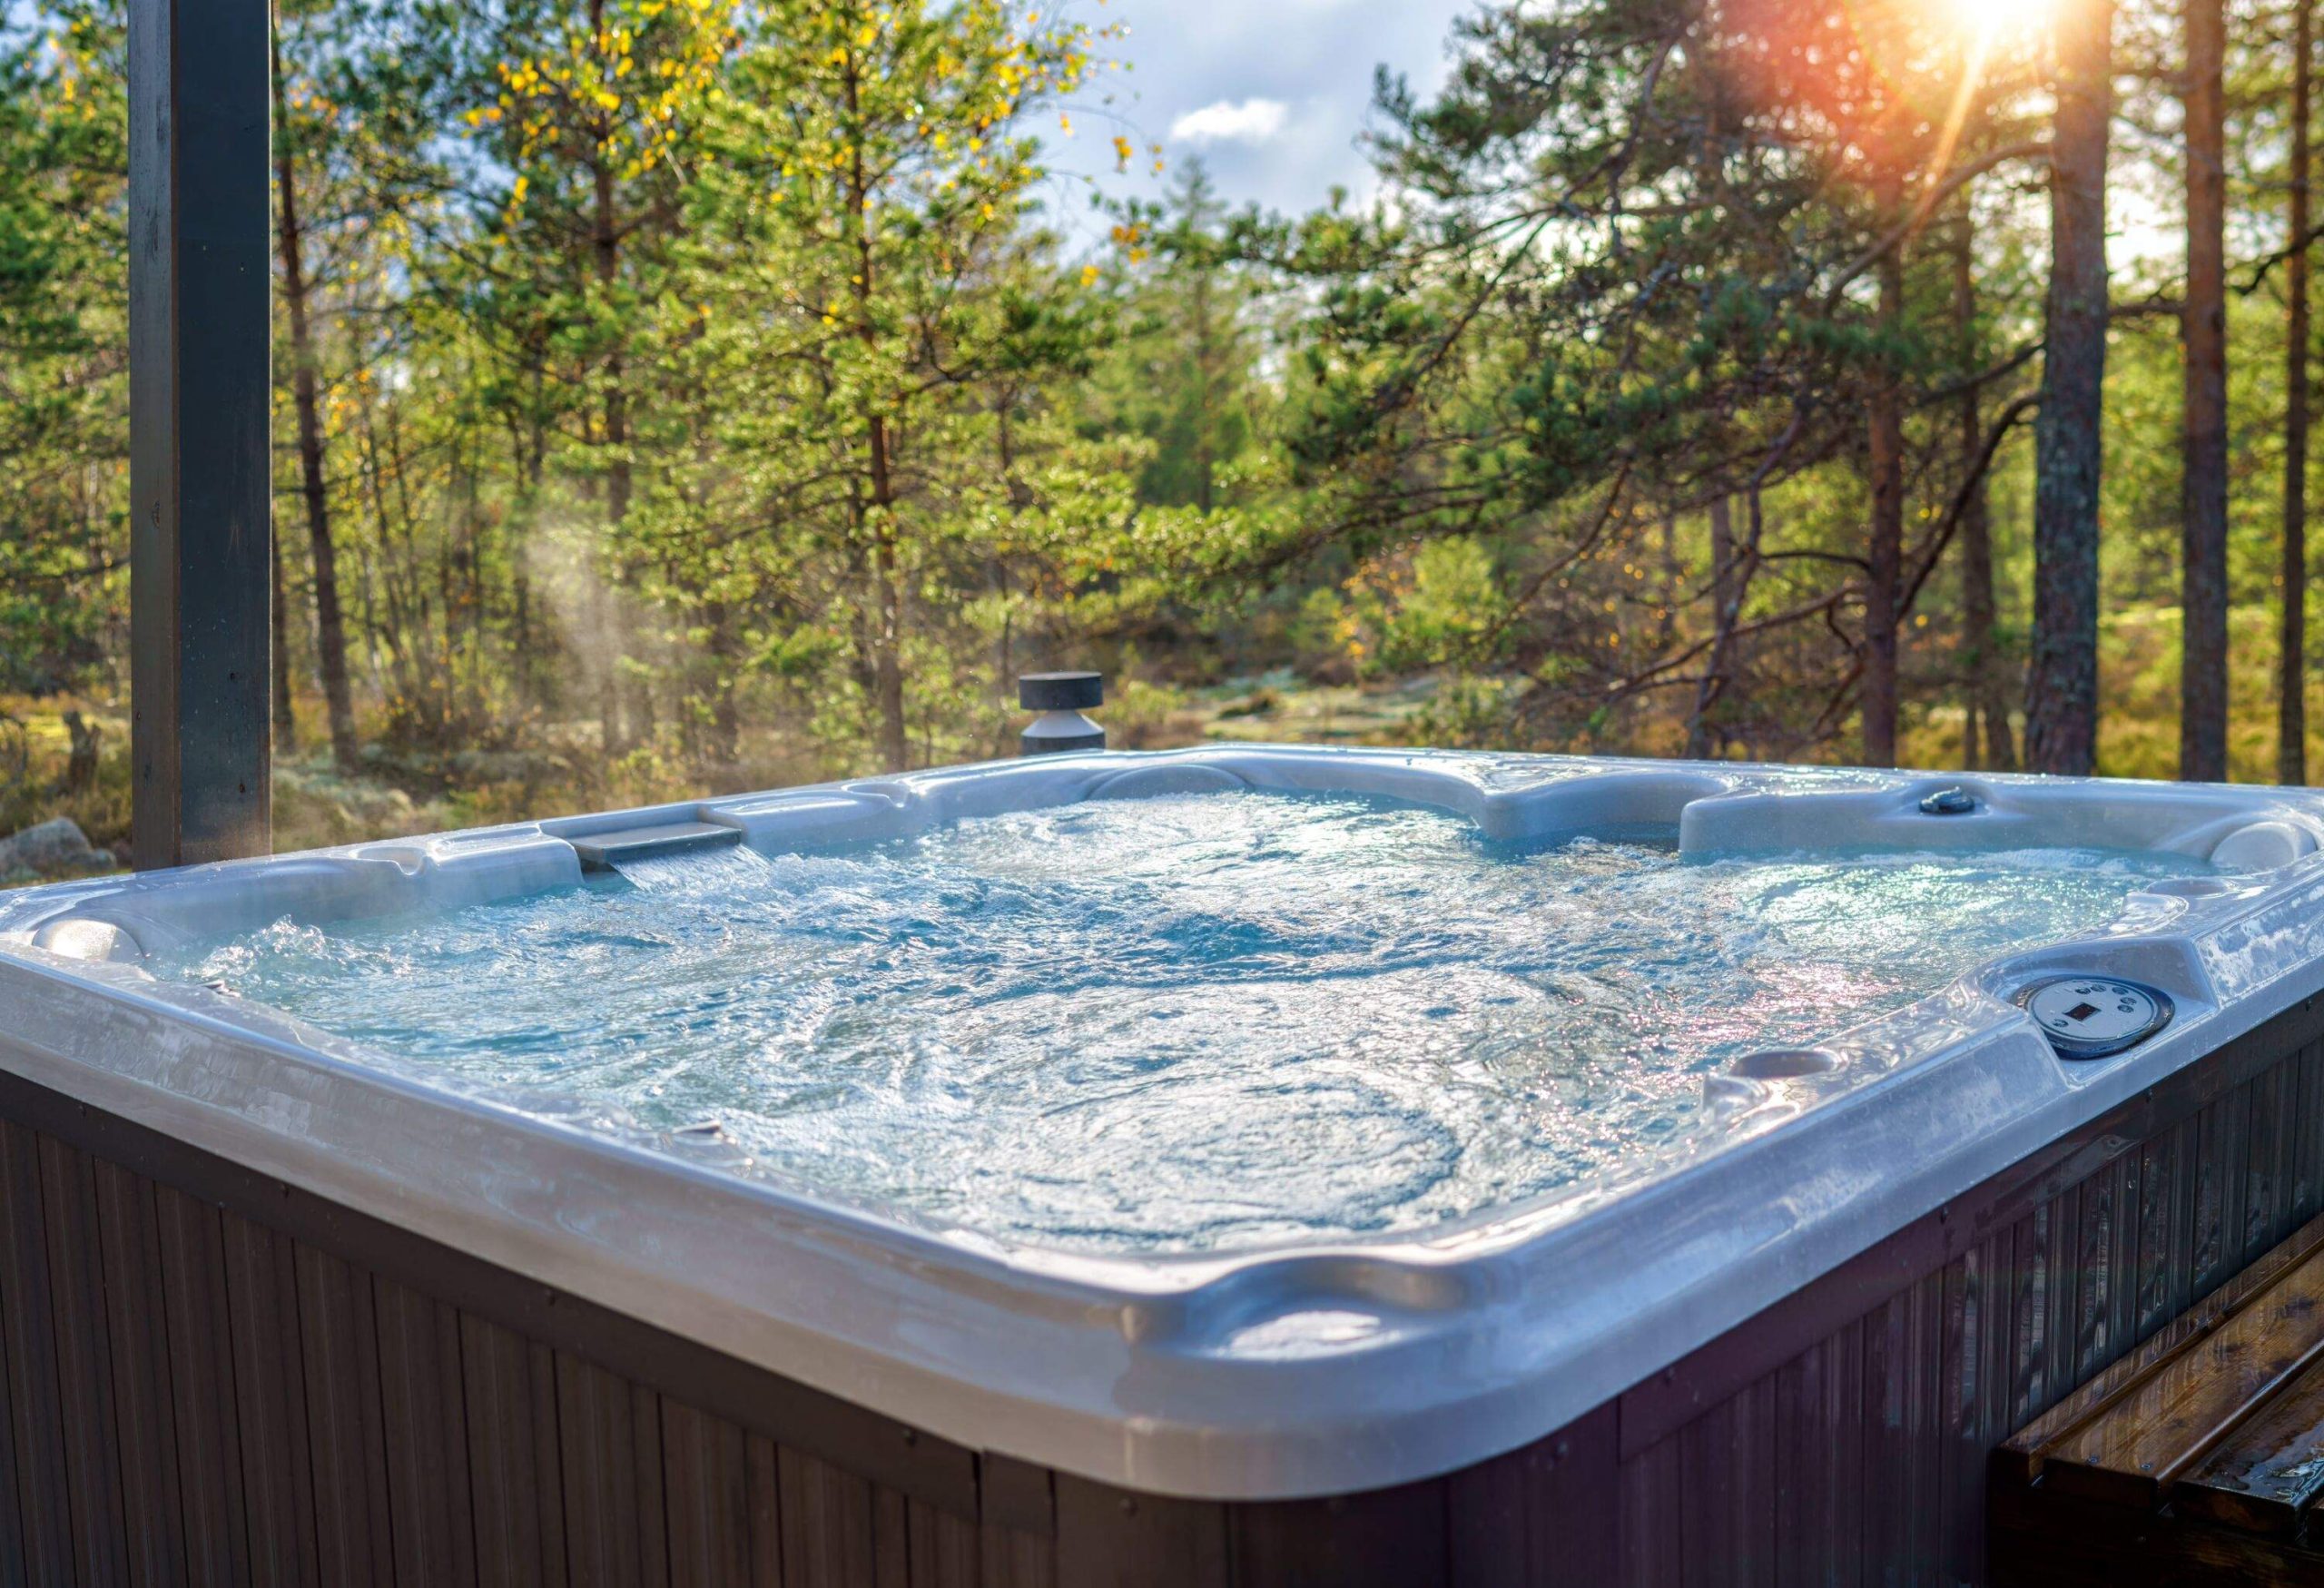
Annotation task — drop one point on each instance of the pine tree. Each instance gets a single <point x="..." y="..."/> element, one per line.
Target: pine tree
<point x="2202" y="696"/>
<point x="2291" y="672"/>
<point x="879" y="319"/>
<point x="2061" y="681"/>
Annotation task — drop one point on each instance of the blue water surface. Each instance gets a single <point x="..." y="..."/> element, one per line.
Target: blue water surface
<point x="1170" y="1024"/>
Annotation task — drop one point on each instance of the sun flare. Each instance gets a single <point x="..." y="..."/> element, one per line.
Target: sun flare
<point x="1990" y="19"/>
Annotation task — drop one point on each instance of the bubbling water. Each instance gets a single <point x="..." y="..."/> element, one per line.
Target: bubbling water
<point x="1187" y="1023"/>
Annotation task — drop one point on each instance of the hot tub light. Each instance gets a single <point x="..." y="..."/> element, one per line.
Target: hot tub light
<point x="2094" y="1017"/>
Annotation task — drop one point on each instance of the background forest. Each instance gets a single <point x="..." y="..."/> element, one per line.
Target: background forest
<point x="683" y="396"/>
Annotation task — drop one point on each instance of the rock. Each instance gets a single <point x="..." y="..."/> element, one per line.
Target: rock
<point x="54" y="848"/>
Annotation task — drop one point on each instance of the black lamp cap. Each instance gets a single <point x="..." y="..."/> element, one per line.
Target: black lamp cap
<point x="1061" y="691"/>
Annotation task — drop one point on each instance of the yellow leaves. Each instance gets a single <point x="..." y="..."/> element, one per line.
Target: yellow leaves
<point x="605" y="99"/>
<point x="1065" y="122"/>
<point x="1089" y="274"/>
<point x="1122" y="152"/>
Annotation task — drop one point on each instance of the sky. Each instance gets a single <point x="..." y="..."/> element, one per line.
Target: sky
<point x="1270" y="93"/>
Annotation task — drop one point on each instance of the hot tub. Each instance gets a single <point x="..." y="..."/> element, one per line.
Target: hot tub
<point x="284" y="1297"/>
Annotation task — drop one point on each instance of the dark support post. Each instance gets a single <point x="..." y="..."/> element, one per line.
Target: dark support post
<point x="199" y="464"/>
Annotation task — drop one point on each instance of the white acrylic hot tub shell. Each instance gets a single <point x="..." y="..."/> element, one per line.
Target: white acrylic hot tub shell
<point x="1304" y="1370"/>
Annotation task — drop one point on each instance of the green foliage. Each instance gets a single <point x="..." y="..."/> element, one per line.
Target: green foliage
<point x="709" y="395"/>
<point x="63" y="336"/>
<point x="1446" y="611"/>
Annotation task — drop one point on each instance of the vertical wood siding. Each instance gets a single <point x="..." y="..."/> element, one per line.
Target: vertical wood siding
<point x="224" y="1383"/>
<point x="1874" y="1470"/>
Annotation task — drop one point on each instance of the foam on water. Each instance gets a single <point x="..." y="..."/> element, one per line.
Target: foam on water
<point x="1170" y="1024"/>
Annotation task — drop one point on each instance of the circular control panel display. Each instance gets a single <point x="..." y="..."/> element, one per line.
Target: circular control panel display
<point x="2094" y="1017"/>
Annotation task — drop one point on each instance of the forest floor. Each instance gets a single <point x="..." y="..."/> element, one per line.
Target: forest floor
<point x="316" y="805"/>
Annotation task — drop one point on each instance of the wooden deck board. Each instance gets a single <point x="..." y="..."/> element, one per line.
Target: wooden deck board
<point x="2134" y="1449"/>
<point x="2271" y="1470"/>
<point x="2023" y="1455"/>
<point x="2199" y="1458"/>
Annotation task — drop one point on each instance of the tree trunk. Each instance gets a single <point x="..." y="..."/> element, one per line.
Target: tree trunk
<point x="398" y="634"/>
<point x="1727" y="604"/>
<point x="2062" y="676"/>
<point x="2203" y="678"/>
<point x="529" y="445"/>
<point x="888" y="590"/>
<point x="82" y="738"/>
<point x="888" y="679"/>
<point x="1206" y="386"/>
<point x="1986" y="739"/>
<point x="606" y="249"/>
<point x="1674" y="581"/>
<point x="725" y="650"/>
<point x="607" y="650"/>
<point x="2292" y="673"/>
<point x="331" y="625"/>
<point x="1726" y="575"/>
<point x="1884" y="562"/>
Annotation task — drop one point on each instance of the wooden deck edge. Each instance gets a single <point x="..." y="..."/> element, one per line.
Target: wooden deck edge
<point x="2023" y="1456"/>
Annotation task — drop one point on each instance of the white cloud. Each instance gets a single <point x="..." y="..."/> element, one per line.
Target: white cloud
<point x="1249" y="121"/>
